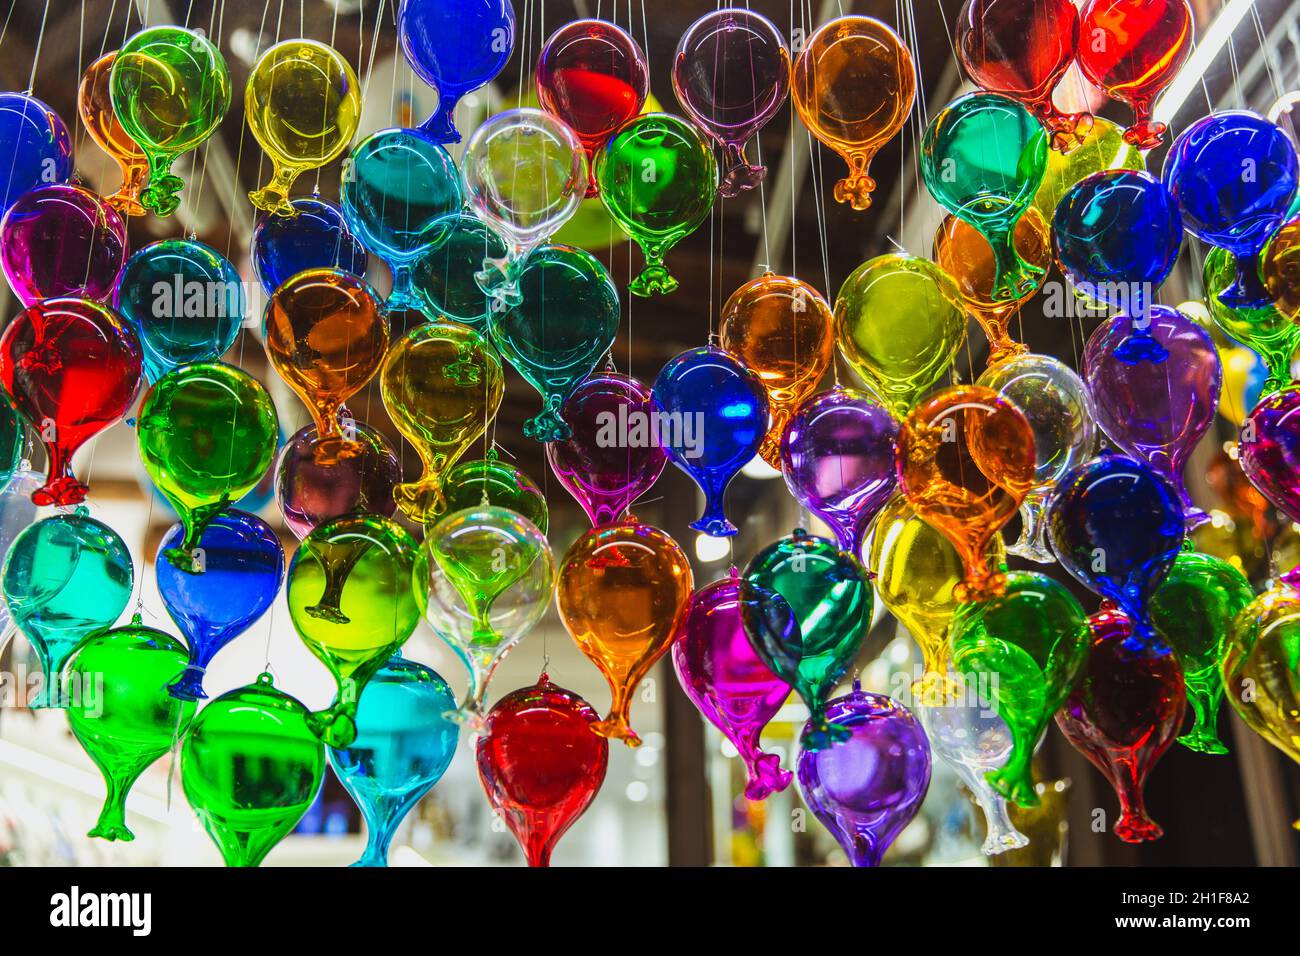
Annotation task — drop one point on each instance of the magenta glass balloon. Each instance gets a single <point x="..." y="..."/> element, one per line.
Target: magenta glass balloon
<point x="837" y="456"/>
<point x="1269" y="449"/>
<point x="728" y="683"/>
<point x="62" y="241"/>
<point x="1156" y="412"/>
<point x="310" y="493"/>
<point x="613" y="456"/>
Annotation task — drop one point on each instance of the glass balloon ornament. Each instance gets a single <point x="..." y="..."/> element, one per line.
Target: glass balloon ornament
<point x="39" y="146"/>
<point x="442" y="385"/>
<point x="95" y="107"/>
<point x="1279" y="268"/>
<point x="806" y="606"/>
<point x="1266" y="330"/>
<point x="492" y="481"/>
<point x="170" y="89"/>
<point x="966" y="461"/>
<point x="1132" y="50"/>
<point x="310" y="493"/>
<point x="784" y="331"/>
<point x="352" y="602"/>
<point x="444" y="275"/>
<point x="236" y="580"/>
<point x="302" y="104"/>
<point x="404" y="745"/>
<point x="184" y="301"/>
<point x="853" y="86"/>
<point x="731" y="75"/>
<point x="1124" y="712"/>
<point x="14" y="442"/>
<point x="1103" y="148"/>
<point x="658" y="178"/>
<point x="899" y="321"/>
<point x="72" y="368"/>
<point x="65" y="577"/>
<point x="623" y="592"/>
<point x="541" y="764"/>
<point x="456" y="48"/>
<point x="870" y="785"/>
<point x="728" y="682"/>
<point x="592" y="76"/>
<point x="1269" y="449"/>
<point x="606" y="474"/>
<point x="712" y="411"/>
<point x="983" y="158"/>
<point x="60" y="241"/>
<point x="316" y="236"/>
<point x="251" y="767"/>
<point x="207" y="435"/>
<point x="120" y="712"/>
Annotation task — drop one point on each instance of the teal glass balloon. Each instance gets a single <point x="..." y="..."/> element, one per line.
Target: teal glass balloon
<point x="983" y="158"/>
<point x="120" y="711"/>
<point x="560" y="331"/>
<point x="491" y="481"/>
<point x="1193" y="609"/>
<point x="405" y="742"/>
<point x="443" y="277"/>
<point x="806" y="607"/>
<point x="64" y="578"/>
<point x="251" y="767"/>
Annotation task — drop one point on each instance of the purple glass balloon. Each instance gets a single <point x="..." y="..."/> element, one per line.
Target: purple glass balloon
<point x="309" y="493"/>
<point x="1157" y="412"/>
<point x="726" y="680"/>
<point x="62" y="241"/>
<point x="613" y="456"/>
<point x="866" y="789"/>
<point x="837" y="456"/>
<point x="1269" y="449"/>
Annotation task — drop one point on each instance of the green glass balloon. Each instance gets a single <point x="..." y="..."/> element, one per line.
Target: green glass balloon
<point x="170" y="90"/>
<point x="1265" y="330"/>
<point x="207" y="435"/>
<point x="13" y="440"/>
<point x="1022" y="652"/>
<point x="251" y="766"/>
<point x="121" y="712"/>
<point x="658" y="177"/>
<point x="353" y="602"/>
<point x="491" y="481"/>
<point x="983" y="158"/>
<point x="1194" y="609"/>
<point x="806" y="607"/>
<point x="65" y="577"/>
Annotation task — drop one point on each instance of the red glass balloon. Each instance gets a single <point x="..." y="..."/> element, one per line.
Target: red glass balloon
<point x="72" y="368"/>
<point x="1125" y="710"/>
<point x="541" y="764"/>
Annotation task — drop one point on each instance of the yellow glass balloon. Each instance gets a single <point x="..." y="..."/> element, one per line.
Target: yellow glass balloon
<point x="854" y="85"/>
<point x="1103" y="148"/>
<point x="95" y="105"/>
<point x="303" y="103"/>
<point x="441" y="384"/>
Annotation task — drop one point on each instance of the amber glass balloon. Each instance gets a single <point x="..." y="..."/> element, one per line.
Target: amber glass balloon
<point x="1279" y="269"/>
<point x="95" y="106"/>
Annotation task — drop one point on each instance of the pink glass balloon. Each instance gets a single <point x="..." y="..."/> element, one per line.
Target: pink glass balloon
<point x="310" y="493"/>
<point x="724" y="678"/>
<point x="62" y="241"/>
<point x="1269" y="449"/>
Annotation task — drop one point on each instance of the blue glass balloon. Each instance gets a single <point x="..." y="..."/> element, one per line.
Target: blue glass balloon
<point x="242" y="567"/>
<point x="405" y="742"/>
<point x="399" y="187"/>
<point x="444" y="276"/>
<point x="711" y="415"/>
<point x="317" y="238"/>
<point x="185" y="302"/>
<point x="35" y="144"/>
<point x="1234" y="176"/>
<point x="1117" y="527"/>
<point x="455" y="46"/>
<point x="1117" y="235"/>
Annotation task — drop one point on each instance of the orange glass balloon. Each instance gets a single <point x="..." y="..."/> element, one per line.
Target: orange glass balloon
<point x="97" y="115"/>
<point x="784" y="330"/>
<point x="327" y="335"/>
<point x="1279" y="268"/>
<point x="624" y="592"/>
<point x="966" y="461"/>
<point x="962" y="251"/>
<point x="854" y="85"/>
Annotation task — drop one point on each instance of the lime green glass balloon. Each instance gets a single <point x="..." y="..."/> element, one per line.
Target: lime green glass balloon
<point x="491" y="481"/>
<point x="13" y="440"/>
<point x="1265" y="330"/>
<point x="658" y="177"/>
<point x="1193" y="609"/>
<point x="1022" y="651"/>
<point x="1103" y="148"/>
<point x="170" y="90"/>
<point x="121" y="712"/>
<point x="251" y="766"/>
<point x="983" y="159"/>
<point x="353" y="603"/>
<point x="207" y="434"/>
<point x="899" y="322"/>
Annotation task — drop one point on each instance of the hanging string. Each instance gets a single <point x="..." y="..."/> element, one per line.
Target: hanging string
<point x="36" y="55"/>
